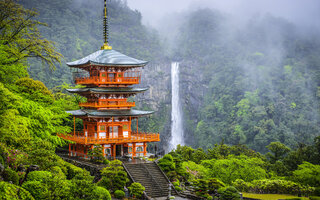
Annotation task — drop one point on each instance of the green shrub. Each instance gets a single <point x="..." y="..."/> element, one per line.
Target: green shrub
<point x="307" y="174"/>
<point x="136" y="189"/>
<point x="176" y="183"/>
<point x="316" y="191"/>
<point x="314" y="198"/>
<point x="10" y="175"/>
<point x="72" y="170"/>
<point x="119" y="194"/>
<point x="113" y="176"/>
<point x="229" y="193"/>
<point x="57" y="171"/>
<point x="201" y="187"/>
<point x="2" y="160"/>
<point x="42" y="176"/>
<point x="179" y="189"/>
<point x="10" y="191"/>
<point x="215" y="184"/>
<point x="166" y="163"/>
<point x="100" y="193"/>
<point x="279" y="187"/>
<point x="241" y="185"/>
<point x="295" y="198"/>
<point x="37" y="189"/>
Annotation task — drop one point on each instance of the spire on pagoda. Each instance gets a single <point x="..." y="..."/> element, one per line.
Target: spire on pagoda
<point x="105" y="29"/>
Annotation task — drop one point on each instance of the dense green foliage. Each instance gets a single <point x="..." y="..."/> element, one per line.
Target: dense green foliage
<point x="211" y="174"/>
<point x="113" y="176"/>
<point x="136" y="189"/>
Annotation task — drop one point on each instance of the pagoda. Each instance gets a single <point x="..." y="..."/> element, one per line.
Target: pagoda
<point x="108" y="77"/>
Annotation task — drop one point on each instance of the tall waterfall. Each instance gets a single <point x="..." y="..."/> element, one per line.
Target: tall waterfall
<point x="176" y="118"/>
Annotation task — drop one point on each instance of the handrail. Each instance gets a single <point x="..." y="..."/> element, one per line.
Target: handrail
<point x="152" y="178"/>
<point x="131" y="177"/>
<point x="107" y="104"/>
<point x="105" y="80"/>
<point x="141" y="137"/>
<point x="166" y="178"/>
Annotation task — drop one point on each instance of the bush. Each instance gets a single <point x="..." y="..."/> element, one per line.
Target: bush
<point x="100" y="193"/>
<point x="179" y="189"/>
<point x="314" y="198"/>
<point x="279" y="187"/>
<point x="176" y="183"/>
<point x="56" y="171"/>
<point x="37" y="189"/>
<point x="42" y="176"/>
<point x="72" y="170"/>
<point x="10" y="191"/>
<point x="136" y="189"/>
<point x="215" y="184"/>
<point x="166" y="163"/>
<point x="229" y="193"/>
<point x="201" y="187"/>
<point x="317" y="191"/>
<point x="119" y="194"/>
<point x="10" y="175"/>
<point x="241" y="185"/>
<point x="307" y="174"/>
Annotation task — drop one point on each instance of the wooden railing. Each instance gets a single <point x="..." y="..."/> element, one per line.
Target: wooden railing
<point x="140" y="137"/>
<point x="96" y="80"/>
<point x="108" y="104"/>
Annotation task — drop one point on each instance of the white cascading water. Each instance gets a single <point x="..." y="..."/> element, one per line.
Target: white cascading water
<point x="176" y="118"/>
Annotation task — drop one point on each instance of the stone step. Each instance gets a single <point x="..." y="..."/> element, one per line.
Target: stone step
<point x="147" y="174"/>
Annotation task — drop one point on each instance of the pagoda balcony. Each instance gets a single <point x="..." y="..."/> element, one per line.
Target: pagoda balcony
<point x="80" y="138"/>
<point x="96" y="80"/>
<point x="109" y="104"/>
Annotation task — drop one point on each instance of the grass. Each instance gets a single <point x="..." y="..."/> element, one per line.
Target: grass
<point x="270" y="196"/>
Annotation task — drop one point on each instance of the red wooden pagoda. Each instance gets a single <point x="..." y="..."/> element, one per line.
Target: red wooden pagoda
<point x="107" y="115"/>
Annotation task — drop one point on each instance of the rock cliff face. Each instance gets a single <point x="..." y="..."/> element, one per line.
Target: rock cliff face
<point x="157" y="76"/>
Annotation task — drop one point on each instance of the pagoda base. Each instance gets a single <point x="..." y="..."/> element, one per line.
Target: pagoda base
<point x="111" y="151"/>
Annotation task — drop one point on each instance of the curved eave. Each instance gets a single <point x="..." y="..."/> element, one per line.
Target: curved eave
<point x="107" y="58"/>
<point x="109" y="113"/>
<point x="106" y="64"/>
<point x="107" y="90"/>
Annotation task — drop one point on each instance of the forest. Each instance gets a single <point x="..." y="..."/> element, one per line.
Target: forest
<point x="251" y="110"/>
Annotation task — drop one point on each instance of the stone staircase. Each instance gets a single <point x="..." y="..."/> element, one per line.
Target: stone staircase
<point x="151" y="177"/>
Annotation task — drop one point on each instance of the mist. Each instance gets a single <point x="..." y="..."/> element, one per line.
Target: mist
<point x="304" y="13"/>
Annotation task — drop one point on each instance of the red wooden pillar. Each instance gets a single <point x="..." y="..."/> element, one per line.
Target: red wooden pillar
<point x="137" y="126"/>
<point x="144" y="149"/>
<point x="133" y="150"/>
<point x="114" y="151"/>
<point x="104" y="151"/>
<point x="69" y="150"/>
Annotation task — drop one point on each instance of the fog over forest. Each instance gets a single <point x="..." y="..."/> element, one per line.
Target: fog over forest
<point x="304" y="13"/>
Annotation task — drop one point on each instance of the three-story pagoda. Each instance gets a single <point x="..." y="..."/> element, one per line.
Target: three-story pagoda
<point x="107" y="115"/>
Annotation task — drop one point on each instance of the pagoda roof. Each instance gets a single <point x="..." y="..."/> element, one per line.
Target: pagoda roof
<point x="108" y="58"/>
<point x="106" y="90"/>
<point x="109" y="113"/>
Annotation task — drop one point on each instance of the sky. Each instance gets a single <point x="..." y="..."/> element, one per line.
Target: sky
<point x="302" y="12"/>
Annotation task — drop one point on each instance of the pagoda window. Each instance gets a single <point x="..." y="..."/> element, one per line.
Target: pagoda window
<point x="113" y="131"/>
<point x="125" y="130"/>
<point x="102" y="128"/>
<point x="95" y="128"/>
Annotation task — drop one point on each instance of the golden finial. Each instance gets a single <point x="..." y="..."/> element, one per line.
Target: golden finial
<point x="105" y="28"/>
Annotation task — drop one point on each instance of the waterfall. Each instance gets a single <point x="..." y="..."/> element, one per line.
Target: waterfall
<point x="176" y="120"/>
